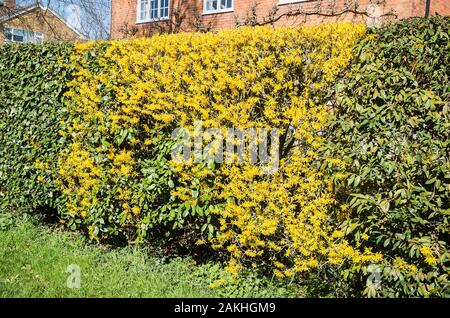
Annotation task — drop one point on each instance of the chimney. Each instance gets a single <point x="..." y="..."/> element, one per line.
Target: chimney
<point x="9" y="3"/>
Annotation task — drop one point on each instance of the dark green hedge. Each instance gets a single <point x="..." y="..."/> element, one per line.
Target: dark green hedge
<point x="392" y="128"/>
<point x="33" y="79"/>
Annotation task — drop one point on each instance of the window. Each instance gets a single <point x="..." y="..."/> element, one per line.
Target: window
<point x="38" y="37"/>
<point x="23" y="36"/>
<point x="216" y="6"/>
<point x="152" y="10"/>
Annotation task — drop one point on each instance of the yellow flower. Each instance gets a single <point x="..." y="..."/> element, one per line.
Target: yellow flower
<point x="217" y="283"/>
<point x="200" y="242"/>
<point x="428" y="254"/>
<point x="136" y="210"/>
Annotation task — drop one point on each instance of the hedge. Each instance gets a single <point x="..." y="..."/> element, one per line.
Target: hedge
<point x="33" y="79"/>
<point x="392" y="129"/>
<point x="362" y="182"/>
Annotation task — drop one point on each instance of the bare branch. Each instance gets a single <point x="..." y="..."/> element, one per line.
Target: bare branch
<point x="326" y="9"/>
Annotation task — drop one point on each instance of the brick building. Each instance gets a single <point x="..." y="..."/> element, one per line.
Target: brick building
<point x="146" y="17"/>
<point x="33" y="23"/>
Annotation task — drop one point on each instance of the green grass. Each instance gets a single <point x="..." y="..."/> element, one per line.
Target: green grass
<point x="34" y="259"/>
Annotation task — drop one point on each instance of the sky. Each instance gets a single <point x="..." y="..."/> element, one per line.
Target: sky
<point x="90" y="17"/>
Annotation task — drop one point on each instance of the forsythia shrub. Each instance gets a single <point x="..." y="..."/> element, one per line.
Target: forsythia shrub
<point x="128" y="96"/>
<point x="33" y="79"/>
<point x="283" y="221"/>
<point x="392" y="130"/>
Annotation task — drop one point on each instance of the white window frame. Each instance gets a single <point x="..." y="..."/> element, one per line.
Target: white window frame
<point x="38" y="37"/>
<point x="282" y="2"/>
<point x="149" y="19"/>
<point x="205" y="11"/>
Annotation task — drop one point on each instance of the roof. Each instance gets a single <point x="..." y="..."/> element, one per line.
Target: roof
<point x="10" y="13"/>
<point x="18" y="11"/>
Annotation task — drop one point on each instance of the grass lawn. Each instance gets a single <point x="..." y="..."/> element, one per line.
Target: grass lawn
<point x="34" y="260"/>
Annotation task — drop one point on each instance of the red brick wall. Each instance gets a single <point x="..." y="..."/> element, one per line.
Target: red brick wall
<point x="441" y="7"/>
<point x="124" y="14"/>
